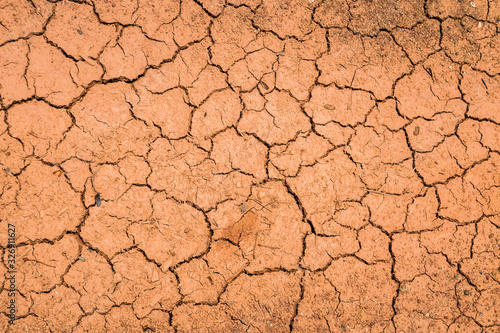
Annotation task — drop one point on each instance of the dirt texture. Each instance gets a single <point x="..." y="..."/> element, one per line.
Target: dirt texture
<point x="250" y="165"/>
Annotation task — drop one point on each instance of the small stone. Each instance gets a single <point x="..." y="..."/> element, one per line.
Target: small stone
<point x="82" y="259"/>
<point x="466" y="292"/>
<point x="155" y="276"/>
<point x="416" y="131"/>
<point x="97" y="200"/>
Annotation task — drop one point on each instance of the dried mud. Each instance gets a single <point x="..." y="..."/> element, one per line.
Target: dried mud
<point x="251" y="165"/>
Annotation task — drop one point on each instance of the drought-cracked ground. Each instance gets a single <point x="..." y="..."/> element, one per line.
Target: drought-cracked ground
<point x="251" y="166"/>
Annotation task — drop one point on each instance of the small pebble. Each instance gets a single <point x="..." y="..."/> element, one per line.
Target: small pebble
<point x="416" y="131"/>
<point x="466" y="292"/>
<point x="82" y="259"/>
<point x="329" y="107"/>
<point x="97" y="199"/>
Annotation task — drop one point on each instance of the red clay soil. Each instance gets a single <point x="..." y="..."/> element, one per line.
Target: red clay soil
<point x="250" y="165"/>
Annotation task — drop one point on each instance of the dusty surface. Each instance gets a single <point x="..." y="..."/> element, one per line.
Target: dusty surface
<point x="260" y="165"/>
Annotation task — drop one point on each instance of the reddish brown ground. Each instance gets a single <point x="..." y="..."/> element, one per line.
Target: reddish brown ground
<point x="262" y="166"/>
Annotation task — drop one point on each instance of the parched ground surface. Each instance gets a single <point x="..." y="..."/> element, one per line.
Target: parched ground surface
<point x="262" y="166"/>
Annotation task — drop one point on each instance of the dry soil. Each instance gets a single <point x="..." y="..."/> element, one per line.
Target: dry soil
<point x="251" y="165"/>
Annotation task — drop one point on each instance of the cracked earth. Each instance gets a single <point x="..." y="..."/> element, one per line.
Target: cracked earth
<point x="251" y="165"/>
